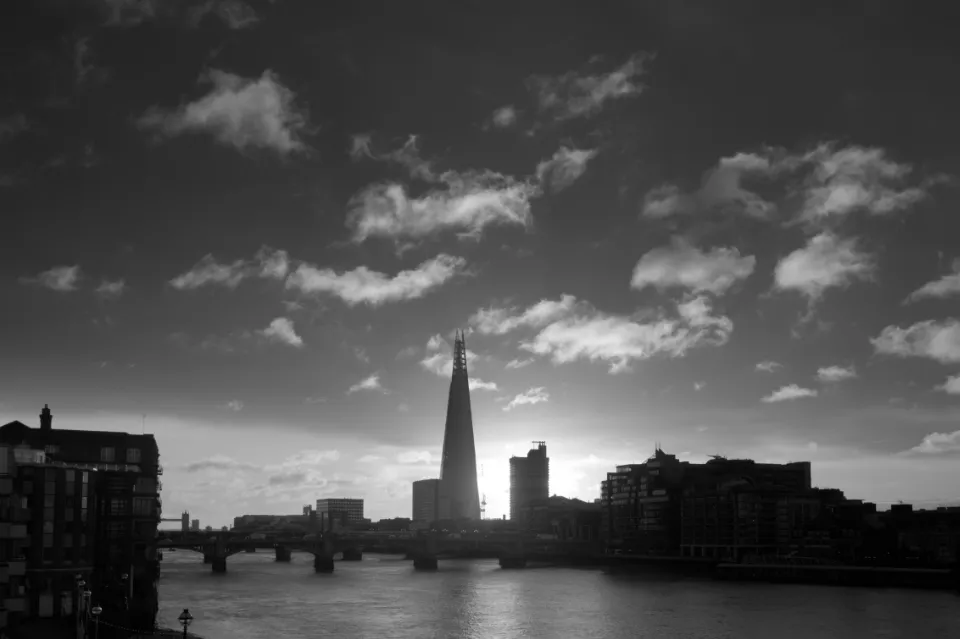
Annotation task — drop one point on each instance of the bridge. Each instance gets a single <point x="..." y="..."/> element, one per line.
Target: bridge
<point x="425" y="550"/>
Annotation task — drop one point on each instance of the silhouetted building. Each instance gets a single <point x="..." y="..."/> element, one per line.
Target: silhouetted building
<point x="344" y="510"/>
<point x="307" y="509"/>
<point x="184" y="521"/>
<point x="643" y="503"/>
<point x="195" y="525"/>
<point x="459" y="495"/>
<point x="529" y="479"/>
<point x="123" y="472"/>
<point x="426" y="500"/>
<point x="47" y="532"/>
<point x="562" y="518"/>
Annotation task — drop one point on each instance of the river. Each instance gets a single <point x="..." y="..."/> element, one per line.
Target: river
<point x="382" y="597"/>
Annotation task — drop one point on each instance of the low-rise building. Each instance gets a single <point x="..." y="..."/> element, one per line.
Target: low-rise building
<point x="344" y="509"/>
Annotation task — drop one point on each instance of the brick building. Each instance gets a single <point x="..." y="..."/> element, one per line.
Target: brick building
<point x="122" y="473"/>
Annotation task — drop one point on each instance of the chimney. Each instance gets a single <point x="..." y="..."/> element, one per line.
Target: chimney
<point x="46" y="418"/>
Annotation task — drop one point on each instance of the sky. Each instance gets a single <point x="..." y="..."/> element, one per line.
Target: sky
<point x="252" y="227"/>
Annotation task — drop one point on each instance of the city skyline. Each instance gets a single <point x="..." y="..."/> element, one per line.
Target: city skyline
<point x="252" y="228"/>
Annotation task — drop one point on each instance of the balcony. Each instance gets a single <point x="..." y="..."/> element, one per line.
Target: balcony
<point x="15" y="604"/>
<point x="17" y="567"/>
<point x="12" y="531"/>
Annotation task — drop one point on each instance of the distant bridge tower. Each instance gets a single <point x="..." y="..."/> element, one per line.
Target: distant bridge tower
<point x="185" y="522"/>
<point x="483" y="506"/>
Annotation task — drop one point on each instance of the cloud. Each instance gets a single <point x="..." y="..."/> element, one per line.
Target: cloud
<point x="565" y="167"/>
<point x="268" y="263"/>
<point x="476" y="383"/>
<point x="59" y="278"/>
<point x="944" y="287"/>
<point x="235" y="405"/>
<point x="363" y="286"/>
<point x="592" y="335"/>
<point x="238" y="112"/>
<point x="951" y="386"/>
<point x="504" y="117"/>
<point x="498" y="321"/>
<point x="83" y="63"/>
<point x="825" y="262"/>
<point x="791" y="391"/>
<point x="414" y="457"/>
<point x="235" y="14"/>
<point x="519" y="363"/>
<point x="436" y="342"/>
<point x="697" y="386"/>
<point x="830" y="374"/>
<point x="938" y="444"/>
<point x="466" y="202"/>
<point x="936" y="340"/>
<point x="281" y="330"/>
<point x="407" y="156"/>
<point x="369" y="459"/>
<point x="684" y="265"/>
<point x="369" y="383"/>
<point x="856" y="178"/>
<point x="768" y="366"/>
<point x="308" y="457"/>
<point x="721" y="188"/>
<point x="218" y="462"/>
<point x="12" y="126"/>
<point x="531" y="396"/>
<point x="128" y="13"/>
<point x="574" y="95"/>
<point x="111" y="289"/>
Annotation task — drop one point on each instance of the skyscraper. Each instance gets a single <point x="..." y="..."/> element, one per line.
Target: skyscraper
<point x="425" y="492"/>
<point x="459" y="496"/>
<point x="529" y="479"/>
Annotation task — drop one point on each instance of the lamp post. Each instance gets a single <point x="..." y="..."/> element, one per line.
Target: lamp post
<point x="185" y="618"/>
<point x="96" y="621"/>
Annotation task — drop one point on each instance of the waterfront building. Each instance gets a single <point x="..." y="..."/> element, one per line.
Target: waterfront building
<point x="459" y="494"/>
<point x="46" y="537"/>
<point x="529" y="479"/>
<point x="123" y="475"/>
<point x="643" y="503"/>
<point x="195" y="525"/>
<point x="343" y="509"/>
<point x="562" y="518"/>
<point x="426" y="500"/>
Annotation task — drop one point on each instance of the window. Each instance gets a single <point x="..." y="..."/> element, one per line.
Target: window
<point x="48" y="501"/>
<point x="106" y="454"/>
<point x="118" y="506"/>
<point x="48" y="514"/>
<point x="50" y="487"/>
<point x="84" y="479"/>
<point x="142" y="506"/>
<point x="133" y="455"/>
<point x="52" y="449"/>
<point x="48" y="540"/>
<point x="27" y="487"/>
<point x="68" y="514"/>
<point x="83" y="503"/>
<point x="67" y="540"/>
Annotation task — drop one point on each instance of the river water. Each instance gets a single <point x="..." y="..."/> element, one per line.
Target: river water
<point x="382" y="597"/>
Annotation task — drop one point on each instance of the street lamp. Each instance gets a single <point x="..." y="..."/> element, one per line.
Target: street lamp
<point x="96" y="621"/>
<point x="185" y="618"/>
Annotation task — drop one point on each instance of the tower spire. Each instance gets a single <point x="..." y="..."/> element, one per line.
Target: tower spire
<point x="459" y="354"/>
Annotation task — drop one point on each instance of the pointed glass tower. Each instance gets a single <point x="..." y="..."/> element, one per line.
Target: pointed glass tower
<point x="459" y="497"/>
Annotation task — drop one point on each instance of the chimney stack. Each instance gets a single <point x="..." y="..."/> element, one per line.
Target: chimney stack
<point x="46" y="418"/>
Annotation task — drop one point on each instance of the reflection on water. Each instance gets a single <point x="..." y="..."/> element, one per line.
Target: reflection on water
<point x="382" y="597"/>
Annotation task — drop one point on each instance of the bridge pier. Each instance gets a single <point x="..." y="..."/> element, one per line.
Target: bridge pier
<point x="424" y="562"/>
<point x="352" y="554"/>
<point x="219" y="564"/>
<point x="323" y="563"/>
<point x="282" y="553"/>
<point x="513" y="561"/>
<point x="323" y="556"/>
